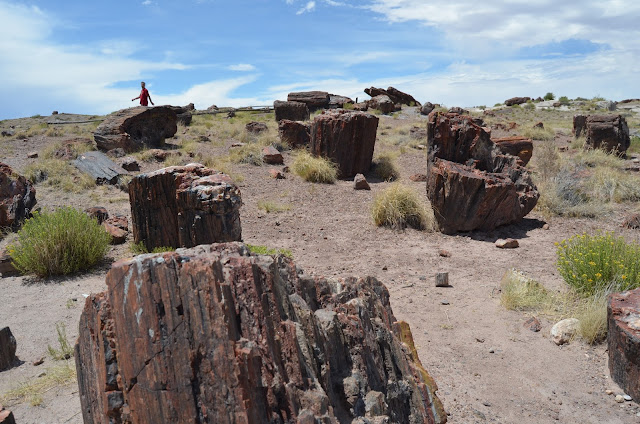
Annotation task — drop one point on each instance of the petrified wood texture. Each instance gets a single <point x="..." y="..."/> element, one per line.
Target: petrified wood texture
<point x="313" y="99"/>
<point x="214" y="334"/>
<point x="17" y="197"/>
<point x="293" y="111"/>
<point x="8" y="347"/>
<point x="608" y="132"/>
<point x="623" y="339"/>
<point x="516" y="146"/>
<point x="347" y="138"/>
<point x="98" y="166"/>
<point x="183" y="206"/>
<point x="293" y="133"/>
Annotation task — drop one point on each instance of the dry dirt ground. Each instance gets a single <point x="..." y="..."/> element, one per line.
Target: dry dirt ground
<point x="488" y="367"/>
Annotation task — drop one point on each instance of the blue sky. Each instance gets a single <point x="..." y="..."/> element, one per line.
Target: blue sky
<point x="89" y="56"/>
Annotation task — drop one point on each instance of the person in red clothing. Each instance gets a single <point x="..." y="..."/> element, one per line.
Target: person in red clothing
<point x="144" y="95"/>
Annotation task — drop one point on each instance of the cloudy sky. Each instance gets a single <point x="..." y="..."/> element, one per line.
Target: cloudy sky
<point x="81" y="56"/>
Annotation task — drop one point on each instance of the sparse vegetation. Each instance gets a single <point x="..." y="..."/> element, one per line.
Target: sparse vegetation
<point x="272" y="207"/>
<point x="520" y="293"/>
<point x="249" y="153"/>
<point x="385" y="168"/>
<point x="32" y="391"/>
<point x="65" y="350"/>
<point x="400" y="206"/>
<point x="140" y="249"/>
<point x="314" y="169"/>
<point x="59" y="173"/>
<point x="564" y="100"/>
<point x="264" y="250"/>
<point x="57" y="243"/>
<point x="535" y="133"/>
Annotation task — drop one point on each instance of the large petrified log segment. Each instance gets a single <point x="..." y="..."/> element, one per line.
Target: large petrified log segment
<point x="17" y="197"/>
<point x="396" y="96"/>
<point x="293" y="111"/>
<point x="382" y="103"/>
<point x="134" y="128"/>
<point x="8" y="347"/>
<point x="214" y="334"/>
<point x="313" y="99"/>
<point x="516" y="101"/>
<point x="347" y="138"/>
<point x="623" y="339"/>
<point x="183" y="206"/>
<point x="183" y="114"/>
<point x="516" y="146"/>
<point x="98" y="166"/>
<point x="294" y="134"/>
<point x="608" y="132"/>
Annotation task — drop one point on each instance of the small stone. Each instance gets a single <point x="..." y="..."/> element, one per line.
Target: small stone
<point x="619" y="398"/>
<point x="444" y="253"/>
<point x="507" y="243"/>
<point x="272" y="156"/>
<point x="487" y="404"/>
<point x="545" y="227"/>
<point x="32" y="155"/>
<point x="492" y="350"/>
<point x="627" y="398"/>
<point x="563" y="331"/>
<point x="444" y="302"/>
<point x="360" y="183"/>
<point x="442" y="279"/>
<point x="286" y="169"/>
<point x="37" y="362"/>
<point x="533" y="324"/>
<point x="98" y="212"/>
<point x="384" y="268"/>
<point x="609" y="392"/>
<point x="237" y="144"/>
<point x="278" y="175"/>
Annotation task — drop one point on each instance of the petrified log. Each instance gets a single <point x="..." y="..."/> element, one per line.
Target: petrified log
<point x="516" y="101"/>
<point x="337" y="101"/>
<point x="623" y="340"/>
<point x="608" y="132"/>
<point x="7" y="349"/>
<point x="183" y="114"/>
<point x="579" y="124"/>
<point x="213" y="334"/>
<point x="396" y="96"/>
<point x="183" y="206"/>
<point x="471" y="184"/>
<point x="293" y="111"/>
<point x="313" y="99"/>
<point x="96" y="164"/>
<point x="347" y="138"/>
<point x="293" y="133"/>
<point x="17" y="197"/>
<point x="382" y="103"/>
<point x="516" y="146"/>
<point x="134" y="128"/>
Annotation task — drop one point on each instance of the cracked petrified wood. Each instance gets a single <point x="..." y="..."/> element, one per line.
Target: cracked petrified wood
<point x="607" y="132"/>
<point x="137" y="127"/>
<point x="623" y="339"/>
<point x="346" y="138"/>
<point x="183" y="206"/>
<point x="213" y="334"/>
<point x="516" y="146"/>
<point x="471" y="184"/>
<point x="17" y="197"/>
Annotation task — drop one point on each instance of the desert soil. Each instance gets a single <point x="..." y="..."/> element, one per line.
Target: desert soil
<point x="489" y="368"/>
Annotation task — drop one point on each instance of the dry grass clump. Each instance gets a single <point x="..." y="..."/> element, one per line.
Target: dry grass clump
<point x="521" y="293"/>
<point x="384" y="167"/>
<point x="400" y="206"/>
<point x="597" y="157"/>
<point x="59" y="173"/>
<point x="32" y="391"/>
<point x="249" y="153"/>
<point x="272" y="207"/>
<point x="314" y="169"/>
<point x="536" y="133"/>
<point x="592" y="314"/>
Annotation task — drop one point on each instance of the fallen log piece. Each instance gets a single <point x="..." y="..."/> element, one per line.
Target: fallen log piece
<point x="98" y="166"/>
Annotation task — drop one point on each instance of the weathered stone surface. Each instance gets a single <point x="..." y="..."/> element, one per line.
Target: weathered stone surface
<point x="256" y="127"/>
<point x="6" y="266"/>
<point x="360" y="183"/>
<point x="347" y="138"/>
<point x="471" y="184"/>
<point x="293" y="111"/>
<point x="272" y="156"/>
<point x="564" y="331"/>
<point x="337" y="101"/>
<point x="134" y="128"/>
<point x="507" y="243"/>
<point x="98" y="212"/>
<point x="419" y="178"/>
<point x="183" y="114"/>
<point x="118" y="152"/>
<point x="427" y="108"/>
<point x="458" y="110"/>
<point x="623" y="340"/>
<point x="183" y="206"/>
<point x="118" y="228"/>
<point x="516" y="101"/>
<point x="419" y="133"/>
<point x="608" y="132"/>
<point x="161" y="155"/>
<point x="294" y="134"/>
<point x="382" y="103"/>
<point x="214" y="334"/>
<point x="8" y="347"/>
<point x="130" y="164"/>
<point x="533" y="324"/>
<point x="277" y="174"/>
<point x="396" y="96"/>
<point x="516" y="146"/>
<point x="313" y="99"/>
<point x="97" y="165"/>
<point x="32" y="155"/>
<point x="17" y="197"/>
<point x="6" y="416"/>
<point x="361" y="107"/>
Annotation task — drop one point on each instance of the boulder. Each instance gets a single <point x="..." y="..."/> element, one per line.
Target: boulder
<point x="632" y="221"/>
<point x="6" y="265"/>
<point x="458" y="110"/>
<point x="471" y="184"/>
<point x="8" y="347"/>
<point x="277" y="174"/>
<point x="272" y="156"/>
<point x="361" y="107"/>
<point x="608" y="132"/>
<point x="516" y="146"/>
<point x="347" y="138"/>
<point x="98" y="212"/>
<point x="293" y="111"/>
<point x="516" y="101"/>
<point x="623" y="340"/>
<point x="216" y="334"/>
<point x="130" y="164"/>
<point x="97" y="165"/>
<point x="427" y="108"/>
<point x="17" y="197"/>
<point x="564" y="331"/>
<point x="256" y="127"/>
<point x="118" y="228"/>
<point x="313" y="99"/>
<point x="183" y="206"/>
<point x="293" y="133"/>
<point x="336" y="101"/>
<point x="579" y="124"/>
<point x="606" y="105"/>
<point x="360" y="183"/>
<point x="382" y="103"/>
<point x="137" y="127"/>
<point x="183" y="114"/>
<point x="396" y="96"/>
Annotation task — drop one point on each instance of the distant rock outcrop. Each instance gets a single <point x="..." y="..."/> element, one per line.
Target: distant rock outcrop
<point x="516" y="101"/>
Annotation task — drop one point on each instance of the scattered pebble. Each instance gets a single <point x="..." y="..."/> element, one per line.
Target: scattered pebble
<point x="479" y="340"/>
<point x="545" y="227"/>
<point x="507" y="243"/>
<point x="619" y="398"/>
<point x="627" y="398"/>
<point x="609" y="392"/>
<point x="444" y="253"/>
<point x="444" y="302"/>
<point x="38" y="362"/>
<point x="492" y="350"/>
<point x="487" y="404"/>
<point x="384" y="268"/>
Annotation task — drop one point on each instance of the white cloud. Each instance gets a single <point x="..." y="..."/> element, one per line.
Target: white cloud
<point x="147" y="2"/>
<point x="242" y="67"/>
<point x="309" y="7"/>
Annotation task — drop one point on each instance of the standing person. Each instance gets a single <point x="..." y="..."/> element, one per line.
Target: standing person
<point x="144" y="95"/>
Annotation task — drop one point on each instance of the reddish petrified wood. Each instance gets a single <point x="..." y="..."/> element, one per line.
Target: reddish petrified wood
<point x="183" y="206"/>
<point x="214" y="334"/>
<point x="6" y="416"/>
<point x="347" y="138"/>
<point x="137" y="127"/>
<point x="623" y="339"/>
<point x="395" y="95"/>
<point x="17" y="197"/>
<point x="608" y="132"/>
<point x="313" y="99"/>
<point x="516" y="146"/>
<point x="293" y="133"/>
<point x="293" y="111"/>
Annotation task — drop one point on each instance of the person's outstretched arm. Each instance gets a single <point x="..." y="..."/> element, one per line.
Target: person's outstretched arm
<point x="136" y="98"/>
<point x="151" y="101"/>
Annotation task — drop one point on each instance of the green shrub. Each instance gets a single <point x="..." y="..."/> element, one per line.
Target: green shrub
<point x="400" y="206"/>
<point x="549" y="96"/>
<point x="66" y="349"/>
<point x="634" y="147"/>
<point x="564" y="100"/>
<point x="589" y="263"/>
<point x="264" y="250"/>
<point x="314" y="169"/>
<point x="60" y="242"/>
<point x="385" y="168"/>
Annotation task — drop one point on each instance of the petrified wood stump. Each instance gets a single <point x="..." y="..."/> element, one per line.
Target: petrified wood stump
<point x="623" y="339"/>
<point x="293" y="111"/>
<point x="347" y="138"/>
<point x="608" y="132"/>
<point x="183" y="206"/>
<point x="214" y="334"/>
